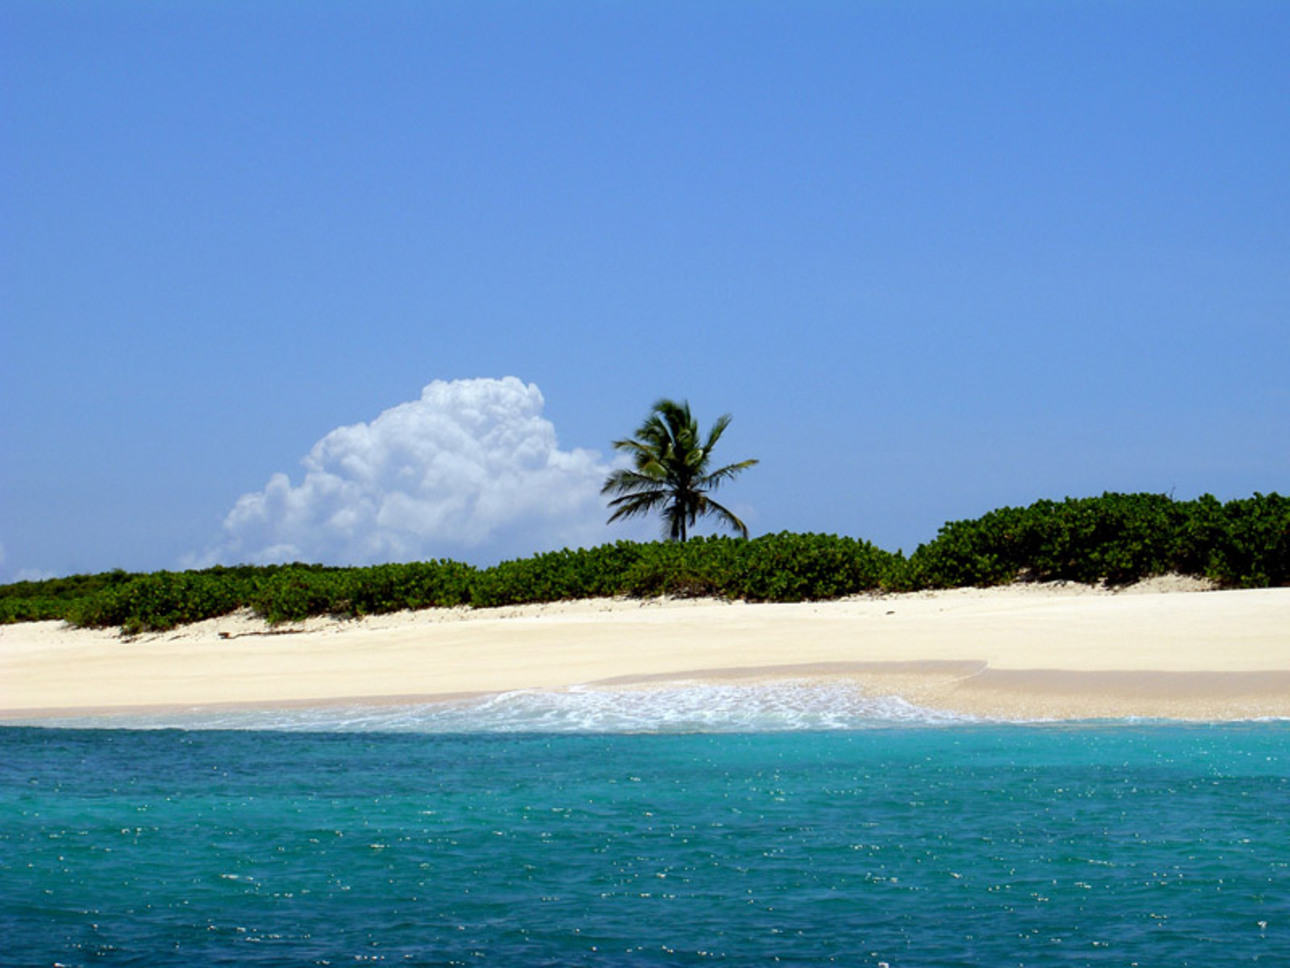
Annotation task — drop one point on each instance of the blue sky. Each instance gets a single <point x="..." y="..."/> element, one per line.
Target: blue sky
<point x="934" y="257"/>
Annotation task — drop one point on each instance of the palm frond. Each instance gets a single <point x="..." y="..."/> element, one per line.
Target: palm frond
<point x="721" y="475"/>
<point x="670" y="457"/>
<point x="718" y="428"/>
<point x="629" y="481"/>
<point x="725" y="514"/>
<point x="634" y="505"/>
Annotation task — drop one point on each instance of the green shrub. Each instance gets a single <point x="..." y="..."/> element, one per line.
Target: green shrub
<point x="681" y="570"/>
<point x="789" y="567"/>
<point x="158" y="601"/>
<point x="297" y="592"/>
<point x="1116" y="538"/>
<point x="1250" y="548"/>
<point x="53" y="598"/>
<point x="780" y="567"/>
<point x="396" y="587"/>
<point x="556" y="576"/>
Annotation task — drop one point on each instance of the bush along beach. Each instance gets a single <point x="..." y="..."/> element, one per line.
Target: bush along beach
<point x="1115" y="538"/>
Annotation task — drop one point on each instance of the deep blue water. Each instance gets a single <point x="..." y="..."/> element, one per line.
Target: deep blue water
<point x="905" y="845"/>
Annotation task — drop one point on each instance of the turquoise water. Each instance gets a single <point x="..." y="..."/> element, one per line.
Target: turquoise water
<point x="891" y="843"/>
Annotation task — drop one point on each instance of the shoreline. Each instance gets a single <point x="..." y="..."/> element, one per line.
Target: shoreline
<point x="1021" y="652"/>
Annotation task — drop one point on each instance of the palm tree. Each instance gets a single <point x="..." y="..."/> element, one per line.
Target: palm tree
<point x="670" y="472"/>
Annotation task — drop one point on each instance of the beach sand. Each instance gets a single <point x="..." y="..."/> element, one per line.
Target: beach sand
<point x="1165" y="648"/>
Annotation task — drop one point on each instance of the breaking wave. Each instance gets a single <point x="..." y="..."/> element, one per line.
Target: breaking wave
<point x="783" y="706"/>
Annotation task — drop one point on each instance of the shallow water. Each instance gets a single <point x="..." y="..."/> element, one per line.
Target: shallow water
<point x="905" y="841"/>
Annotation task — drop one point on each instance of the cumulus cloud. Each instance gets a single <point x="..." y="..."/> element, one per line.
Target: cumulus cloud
<point x="471" y="471"/>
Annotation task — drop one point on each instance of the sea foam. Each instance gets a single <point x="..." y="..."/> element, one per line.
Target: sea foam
<point x="783" y="706"/>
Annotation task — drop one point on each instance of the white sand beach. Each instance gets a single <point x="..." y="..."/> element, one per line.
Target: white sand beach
<point x="1167" y="648"/>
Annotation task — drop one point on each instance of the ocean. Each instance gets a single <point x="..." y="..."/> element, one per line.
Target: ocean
<point x="749" y="826"/>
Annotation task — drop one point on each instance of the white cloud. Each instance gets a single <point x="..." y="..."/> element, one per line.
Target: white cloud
<point x="471" y="471"/>
<point x="22" y="574"/>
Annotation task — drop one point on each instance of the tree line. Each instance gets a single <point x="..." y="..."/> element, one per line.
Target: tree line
<point x="1114" y="538"/>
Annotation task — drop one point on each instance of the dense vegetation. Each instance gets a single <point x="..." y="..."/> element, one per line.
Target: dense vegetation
<point x="1115" y="538"/>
